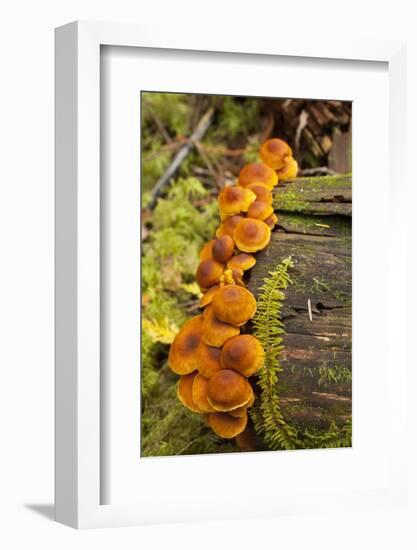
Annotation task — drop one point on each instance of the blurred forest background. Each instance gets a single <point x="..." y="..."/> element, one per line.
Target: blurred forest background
<point x="212" y="137"/>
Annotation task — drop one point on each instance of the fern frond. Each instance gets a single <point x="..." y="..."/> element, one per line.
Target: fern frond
<point x="267" y="417"/>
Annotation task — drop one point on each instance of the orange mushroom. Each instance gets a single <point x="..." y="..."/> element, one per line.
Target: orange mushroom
<point x="241" y="411"/>
<point x="208" y="360"/>
<point x="207" y="297"/>
<point x="289" y="169"/>
<point x="227" y="426"/>
<point x="228" y="390"/>
<point x="215" y="332"/>
<point x="182" y="354"/>
<point x="257" y="172"/>
<point x="262" y="192"/>
<point x="228" y="225"/>
<point x="241" y="261"/>
<point x="274" y="151"/>
<point x="199" y="394"/>
<point x="233" y="304"/>
<point x="243" y="354"/>
<point x="234" y="199"/>
<point x="223" y="248"/>
<point x="271" y="221"/>
<point x="251" y="235"/>
<point x="185" y="392"/>
<point x="208" y="273"/>
<point x="206" y="251"/>
<point x="260" y="210"/>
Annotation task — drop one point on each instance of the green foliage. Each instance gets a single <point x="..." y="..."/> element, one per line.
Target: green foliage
<point x="238" y="116"/>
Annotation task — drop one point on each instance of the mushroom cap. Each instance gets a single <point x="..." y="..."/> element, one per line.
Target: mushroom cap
<point x="233" y="304"/>
<point x="207" y="297"/>
<point x="185" y="392"/>
<point x="260" y="210"/>
<point x="199" y="394"/>
<point x="274" y="151"/>
<point x="208" y="360"/>
<point x="215" y="332"/>
<point x="182" y="354"/>
<point x="239" y="412"/>
<point x="206" y="252"/>
<point x="271" y="221"/>
<point x="251" y="235"/>
<point x="208" y="273"/>
<point x="225" y="425"/>
<point x="223" y="248"/>
<point x="243" y="354"/>
<point x="234" y="199"/>
<point x="241" y="261"/>
<point x="262" y="192"/>
<point x="228" y="225"/>
<point x="258" y="172"/>
<point x="289" y="169"/>
<point x="228" y="390"/>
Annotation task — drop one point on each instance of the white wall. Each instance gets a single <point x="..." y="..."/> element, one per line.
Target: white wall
<point x="26" y="256"/>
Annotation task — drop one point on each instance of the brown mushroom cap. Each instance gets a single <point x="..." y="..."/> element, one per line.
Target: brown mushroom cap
<point x="228" y="225"/>
<point x="185" y="392"/>
<point x="289" y="169"/>
<point x="199" y="394"/>
<point x="271" y="221"/>
<point x="241" y="261"/>
<point x="208" y="360"/>
<point x="274" y="151"/>
<point x="257" y="172"/>
<point x="233" y="304"/>
<point x="208" y="273"/>
<point x="225" y="425"/>
<point x="223" y="248"/>
<point x="262" y="192"/>
<point x="206" y="252"/>
<point x="241" y="411"/>
<point x="243" y="354"/>
<point x="234" y="199"/>
<point x="260" y="210"/>
<point x="228" y="390"/>
<point x="207" y="297"/>
<point x="251" y="235"/>
<point x="182" y="354"/>
<point x="215" y="333"/>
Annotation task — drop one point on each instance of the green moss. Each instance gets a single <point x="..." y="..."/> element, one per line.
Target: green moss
<point x="290" y="201"/>
<point x="343" y="180"/>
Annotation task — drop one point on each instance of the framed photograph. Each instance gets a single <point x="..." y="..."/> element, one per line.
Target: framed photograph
<point x="226" y="276"/>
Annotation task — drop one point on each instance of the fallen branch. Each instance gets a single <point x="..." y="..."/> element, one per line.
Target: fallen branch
<point x="196" y="136"/>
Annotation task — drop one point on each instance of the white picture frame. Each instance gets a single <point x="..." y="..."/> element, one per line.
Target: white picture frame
<point x="78" y="411"/>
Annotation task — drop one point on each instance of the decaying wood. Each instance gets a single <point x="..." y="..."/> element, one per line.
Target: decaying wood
<point x="314" y="228"/>
<point x="195" y="137"/>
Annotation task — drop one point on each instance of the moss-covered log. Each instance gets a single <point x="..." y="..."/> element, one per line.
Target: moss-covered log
<point x="314" y="228"/>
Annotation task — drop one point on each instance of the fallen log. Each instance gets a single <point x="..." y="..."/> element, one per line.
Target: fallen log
<point x="314" y="228"/>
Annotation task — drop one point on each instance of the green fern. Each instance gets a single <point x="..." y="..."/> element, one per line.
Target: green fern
<point x="268" y="328"/>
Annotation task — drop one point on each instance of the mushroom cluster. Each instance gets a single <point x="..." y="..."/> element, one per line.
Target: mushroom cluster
<point x="213" y="353"/>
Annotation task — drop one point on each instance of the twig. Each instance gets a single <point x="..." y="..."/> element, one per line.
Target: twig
<point x="317" y="171"/>
<point x="159" y="124"/>
<point x="310" y="314"/>
<point x="197" y="134"/>
<point x="207" y="162"/>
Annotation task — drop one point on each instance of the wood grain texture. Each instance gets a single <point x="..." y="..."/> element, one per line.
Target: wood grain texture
<point x="314" y="228"/>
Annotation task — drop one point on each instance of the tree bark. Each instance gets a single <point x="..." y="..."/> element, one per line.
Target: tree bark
<point x="314" y="228"/>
